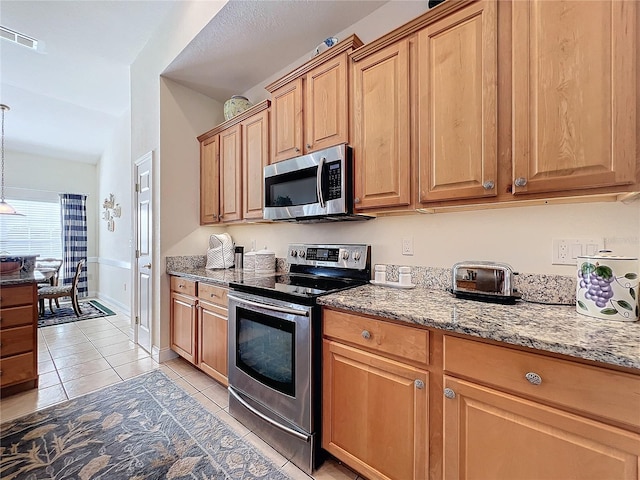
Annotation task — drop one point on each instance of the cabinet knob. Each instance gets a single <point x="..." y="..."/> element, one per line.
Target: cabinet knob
<point x="419" y="384"/>
<point x="221" y="216"/>
<point x="449" y="393"/>
<point x="533" y="378"/>
<point x="520" y="182"/>
<point x="308" y="145"/>
<point x="147" y="265"/>
<point x="488" y="185"/>
<point x="212" y="295"/>
<point x="356" y="200"/>
<point x="0" y="373"/>
<point x="214" y="216"/>
<point x="297" y="149"/>
<point x="366" y="334"/>
<point x="180" y="285"/>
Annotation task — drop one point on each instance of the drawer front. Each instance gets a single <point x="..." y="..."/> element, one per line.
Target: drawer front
<point x="18" y="368"/>
<point x="17" y="295"/>
<point x="397" y="341"/>
<point x="16" y="316"/>
<point x="183" y="285"/>
<point x="598" y="391"/>
<point x="16" y="340"/>
<point x="214" y="294"/>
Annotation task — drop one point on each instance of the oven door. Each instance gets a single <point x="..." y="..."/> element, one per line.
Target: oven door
<point x="270" y="352"/>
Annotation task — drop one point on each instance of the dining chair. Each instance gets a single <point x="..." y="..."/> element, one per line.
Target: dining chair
<point x="59" y="291"/>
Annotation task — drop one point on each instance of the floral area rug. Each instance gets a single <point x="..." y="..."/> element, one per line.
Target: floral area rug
<point x="65" y="313"/>
<point x="144" y="428"/>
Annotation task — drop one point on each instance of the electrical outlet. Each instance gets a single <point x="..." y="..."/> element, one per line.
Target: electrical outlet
<point x="565" y="251"/>
<point x="407" y="246"/>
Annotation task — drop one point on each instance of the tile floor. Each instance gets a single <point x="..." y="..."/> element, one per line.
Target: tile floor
<point x="81" y="357"/>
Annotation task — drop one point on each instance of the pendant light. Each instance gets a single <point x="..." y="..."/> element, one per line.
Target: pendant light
<point x="5" y="208"/>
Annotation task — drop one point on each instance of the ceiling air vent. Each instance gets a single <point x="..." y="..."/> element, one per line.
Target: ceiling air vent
<point x="18" y="38"/>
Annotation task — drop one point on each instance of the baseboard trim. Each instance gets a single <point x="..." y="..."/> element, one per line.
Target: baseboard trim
<point x="120" y="306"/>
<point x="162" y="355"/>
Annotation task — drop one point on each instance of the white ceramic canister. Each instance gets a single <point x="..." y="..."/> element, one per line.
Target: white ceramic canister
<point x="607" y="287"/>
<point x="265" y="261"/>
<point x="249" y="264"/>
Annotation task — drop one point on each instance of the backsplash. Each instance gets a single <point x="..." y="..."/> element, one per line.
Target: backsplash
<point x="536" y="287"/>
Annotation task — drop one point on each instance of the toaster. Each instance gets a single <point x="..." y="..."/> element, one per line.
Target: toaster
<point x="485" y="281"/>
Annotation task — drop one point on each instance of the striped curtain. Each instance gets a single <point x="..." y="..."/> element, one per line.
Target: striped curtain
<point x="74" y="238"/>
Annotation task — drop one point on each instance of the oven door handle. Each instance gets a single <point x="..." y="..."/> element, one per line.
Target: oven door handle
<point x="291" y="311"/>
<point x="290" y="431"/>
<point x="319" y="182"/>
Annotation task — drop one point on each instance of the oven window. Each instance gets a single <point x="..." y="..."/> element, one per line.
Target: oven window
<point x="266" y="349"/>
<point x="293" y="188"/>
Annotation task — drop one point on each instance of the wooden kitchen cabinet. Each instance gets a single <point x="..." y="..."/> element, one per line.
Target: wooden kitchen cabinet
<point x="209" y="181"/>
<point x="212" y="331"/>
<point x="513" y="414"/>
<point x="575" y="96"/>
<point x="231" y="174"/>
<point x="255" y="156"/>
<point x="310" y="108"/>
<point x="18" y="338"/>
<point x="457" y="108"/>
<point x="381" y="128"/>
<point x="183" y="318"/>
<point x="374" y="406"/>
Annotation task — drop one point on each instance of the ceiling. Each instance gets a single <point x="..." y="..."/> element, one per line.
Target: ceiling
<point x="66" y="99"/>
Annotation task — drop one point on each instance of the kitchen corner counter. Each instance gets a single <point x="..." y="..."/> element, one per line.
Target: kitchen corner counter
<point x="20" y="278"/>
<point x="551" y="328"/>
<point x="201" y="274"/>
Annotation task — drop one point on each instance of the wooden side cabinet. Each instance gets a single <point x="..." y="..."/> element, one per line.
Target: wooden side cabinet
<point x="286" y="129"/>
<point x="209" y="181"/>
<point x="18" y="338"/>
<point x="212" y="331"/>
<point x="231" y="174"/>
<point x="183" y="320"/>
<point x="255" y="156"/>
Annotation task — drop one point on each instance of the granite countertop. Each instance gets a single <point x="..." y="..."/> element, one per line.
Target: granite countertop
<point x="551" y="328"/>
<point x="201" y="274"/>
<point x="19" y="278"/>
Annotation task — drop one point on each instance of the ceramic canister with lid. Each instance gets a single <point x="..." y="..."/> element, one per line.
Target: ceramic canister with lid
<point x="265" y="261"/>
<point x="607" y="286"/>
<point x="249" y="261"/>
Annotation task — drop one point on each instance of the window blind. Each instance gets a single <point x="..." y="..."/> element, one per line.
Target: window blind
<point x="37" y="233"/>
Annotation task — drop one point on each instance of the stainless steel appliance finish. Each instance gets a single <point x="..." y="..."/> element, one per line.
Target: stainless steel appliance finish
<point x="275" y="346"/>
<point x="487" y="281"/>
<point x="311" y="188"/>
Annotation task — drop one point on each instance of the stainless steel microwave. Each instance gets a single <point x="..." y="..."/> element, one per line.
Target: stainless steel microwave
<point x="313" y="187"/>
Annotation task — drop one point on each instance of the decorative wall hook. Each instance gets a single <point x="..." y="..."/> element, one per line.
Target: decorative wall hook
<point x="112" y="210"/>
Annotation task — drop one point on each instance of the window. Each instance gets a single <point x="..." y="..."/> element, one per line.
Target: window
<point x="37" y="233"/>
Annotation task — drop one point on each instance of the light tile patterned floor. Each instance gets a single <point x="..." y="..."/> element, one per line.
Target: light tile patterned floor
<point x="81" y="357"/>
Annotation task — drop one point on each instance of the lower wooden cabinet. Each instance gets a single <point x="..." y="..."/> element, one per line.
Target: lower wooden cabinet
<point x="493" y="435"/>
<point x="199" y="325"/>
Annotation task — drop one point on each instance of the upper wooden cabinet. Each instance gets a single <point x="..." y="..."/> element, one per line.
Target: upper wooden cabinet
<point x="310" y="108"/>
<point x="457" y="110"/>
<point x="232" y="158"/>
<point x="381" y="128"/>
<point x="575" y="94"/>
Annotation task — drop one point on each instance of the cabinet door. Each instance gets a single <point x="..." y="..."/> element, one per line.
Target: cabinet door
<point x="381" y="128"/>
<point x="230" y="174"/>
<point x="457" y="113"/>
<point x="489" y="434"/>
<point x="574" y="94"/>
<point x="255" y="156"/>
<point x="286" y="129"/>
<point x="326" y="108"/>
<point x="183" y="326"/>
<point x="374" y="413"/>
<point x="212" y="341"/>
<point x="209" y="181"/>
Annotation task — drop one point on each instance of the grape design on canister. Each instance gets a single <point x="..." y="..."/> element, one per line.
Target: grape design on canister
<point x="598" y="280"/>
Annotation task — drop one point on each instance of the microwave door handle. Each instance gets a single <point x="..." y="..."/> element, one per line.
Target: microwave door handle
<point x="319" y="182"/>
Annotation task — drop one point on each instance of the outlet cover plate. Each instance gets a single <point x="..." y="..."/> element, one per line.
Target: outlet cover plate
<point x="566" y="250"/>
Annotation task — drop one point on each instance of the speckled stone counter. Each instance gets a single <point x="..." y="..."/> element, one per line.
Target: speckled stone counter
<point x="19" y="278"/>
<point x="201" y="274"/>
<point x="551" y="328"/>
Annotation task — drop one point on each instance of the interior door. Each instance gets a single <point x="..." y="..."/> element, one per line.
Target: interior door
<point x="143" y="291"/>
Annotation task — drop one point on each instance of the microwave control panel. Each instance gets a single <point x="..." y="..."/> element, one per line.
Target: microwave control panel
<point x="335" y="180"/>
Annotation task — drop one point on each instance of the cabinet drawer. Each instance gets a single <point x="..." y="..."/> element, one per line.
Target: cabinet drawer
<point x="16" y="340"/>
<point x="213" y="294"/>
<point x="17" y="295"/>
<point x="598" y="391"/>
<point x="182" y="285"/>
<point x="18" y="368"/>
<point x="397" y="341"/>
<point x="16" y="316"/>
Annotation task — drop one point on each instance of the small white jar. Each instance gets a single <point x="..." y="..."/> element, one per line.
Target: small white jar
<point x="265" y="261"/>
<point x="381" y="273"/>
<point x="249" y="264"/>
<point x="404" y="276"/>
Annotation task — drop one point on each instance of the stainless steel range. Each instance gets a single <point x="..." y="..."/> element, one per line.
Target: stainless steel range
<point x="275" y="346"/>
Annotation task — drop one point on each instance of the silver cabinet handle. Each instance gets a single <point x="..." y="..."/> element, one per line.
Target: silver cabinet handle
<point x="488" y="185"/>
<point x="449" y="393"/>
<point x="419" y="384"/>
<point x="366" y="335"/>
<point x="533" y="378"/>
<point x="520" y="182"/>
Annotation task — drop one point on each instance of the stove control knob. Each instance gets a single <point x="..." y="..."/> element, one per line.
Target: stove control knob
<point x="293" y="253"/>
<point x="345" y="255"/>
<point x="356" y="256"/>
<point x="301" y="254"/>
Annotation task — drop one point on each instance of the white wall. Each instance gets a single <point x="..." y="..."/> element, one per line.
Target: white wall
<point x="114" y="176"/>
<point x="33" y="177"/>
